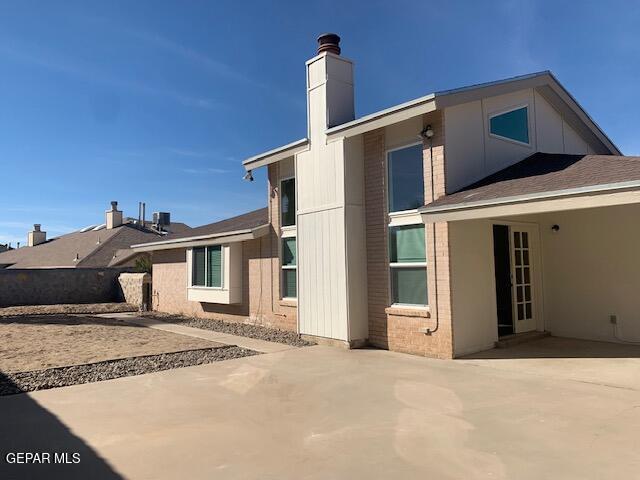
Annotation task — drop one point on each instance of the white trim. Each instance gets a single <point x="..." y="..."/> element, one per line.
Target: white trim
<point x="288" y="267"/>
<point x="204" y="240"/>
<point x="491" y="116"/>
<point x="277" y="154"/>
<point x="404" y="218"/>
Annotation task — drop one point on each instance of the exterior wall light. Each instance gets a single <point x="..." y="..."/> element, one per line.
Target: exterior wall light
<point x="248" y="176"/>
<point x="555" y="228"/>
<point x="427" y="132"/>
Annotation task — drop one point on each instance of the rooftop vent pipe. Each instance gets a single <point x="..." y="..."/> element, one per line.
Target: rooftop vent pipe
<point x="329" y="42"/>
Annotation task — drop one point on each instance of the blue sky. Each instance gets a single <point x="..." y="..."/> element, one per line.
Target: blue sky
<point x="160" y="101"/>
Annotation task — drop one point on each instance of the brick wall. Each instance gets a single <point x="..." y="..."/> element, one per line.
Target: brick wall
<point x="261" y="303"/>
<point x="391" y="327"/>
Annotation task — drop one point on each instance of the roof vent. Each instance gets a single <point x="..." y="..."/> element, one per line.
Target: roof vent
<point x="329" y="42"/>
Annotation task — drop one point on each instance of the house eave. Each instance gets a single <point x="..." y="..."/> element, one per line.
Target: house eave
<point x="543" y="202"/>
<point x="202" y="240"/>
<point x="276" y="155"/>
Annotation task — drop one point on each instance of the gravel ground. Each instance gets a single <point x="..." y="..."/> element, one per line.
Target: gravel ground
<point x="241" y="329"/>
<point x="67" y="308"/>
<point x="12" y="383"/>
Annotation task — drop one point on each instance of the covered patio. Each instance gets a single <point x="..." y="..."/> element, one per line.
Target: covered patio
<point x="549" y="244"/>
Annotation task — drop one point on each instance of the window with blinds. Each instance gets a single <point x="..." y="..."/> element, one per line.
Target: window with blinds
<point x="289" y="268"/>
<point x="206" y="266"/>
<point x="408" y="265"/>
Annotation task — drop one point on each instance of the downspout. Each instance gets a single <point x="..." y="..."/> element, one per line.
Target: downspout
<point x="435" y="257"/>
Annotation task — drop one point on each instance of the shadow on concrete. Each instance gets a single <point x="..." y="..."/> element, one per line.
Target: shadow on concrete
<point x="25" y="426"/>
<point x="560" y="347"/>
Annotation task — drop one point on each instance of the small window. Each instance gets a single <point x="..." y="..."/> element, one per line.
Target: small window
<point x="513" y="125"/>
<point x="206" y="267"/>
<point x="408" y="264"/>
<point x="406" y="178"/>
<point x="289" y="268"/>
<point x="288" y="202"/>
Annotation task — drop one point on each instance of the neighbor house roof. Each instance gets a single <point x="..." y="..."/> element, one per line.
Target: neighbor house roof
<point x="242" y="227"/>
<point x="93" y="248"/>
<point x="544" y="82"/>
<point x="545" y="176"/>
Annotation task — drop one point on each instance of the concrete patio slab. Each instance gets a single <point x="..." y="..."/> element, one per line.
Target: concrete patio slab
<point x="322" y="412"/>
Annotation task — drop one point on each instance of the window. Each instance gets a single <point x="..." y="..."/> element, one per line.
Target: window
<point x="289" y="262"/>
<point x="288" y="202"/>
<point x="206" y="267"/>
<point x="408" y="262"/>
<point x="406" y="178"/>
<point x="513" y="125"/>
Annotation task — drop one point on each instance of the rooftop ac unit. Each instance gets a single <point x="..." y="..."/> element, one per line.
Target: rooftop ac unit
<point x="162" y="219"/>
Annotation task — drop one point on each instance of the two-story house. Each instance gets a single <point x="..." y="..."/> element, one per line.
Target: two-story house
<point x="435" y="227"/>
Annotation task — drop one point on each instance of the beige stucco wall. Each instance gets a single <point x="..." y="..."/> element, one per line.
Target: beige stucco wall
<point x="588" y="271"/>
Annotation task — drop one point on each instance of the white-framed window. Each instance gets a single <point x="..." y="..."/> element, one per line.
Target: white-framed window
<point x="288" y="202"/>
<point x="512" y="125"/>
<point x="289" y="268"/>
<point x="405" y="178"/>
<point x="206" y="266"/>
<point x="408" y="265"/>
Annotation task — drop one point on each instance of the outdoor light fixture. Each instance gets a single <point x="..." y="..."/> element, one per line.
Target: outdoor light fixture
<point x="248" y="176"/>
<point x="427" y="132"/>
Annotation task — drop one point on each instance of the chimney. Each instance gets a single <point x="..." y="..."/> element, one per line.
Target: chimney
<point x="113" y="216"/>
<point x="329" y="88"/>
<point x="36" y="236"/>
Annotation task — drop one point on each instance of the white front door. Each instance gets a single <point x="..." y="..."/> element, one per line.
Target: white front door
<point x="523" y="242"/>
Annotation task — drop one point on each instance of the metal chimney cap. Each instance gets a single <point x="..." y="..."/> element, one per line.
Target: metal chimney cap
<point x="36" y="227"/>
<point x="114" y="205"/>
<point x="329" y="42"/>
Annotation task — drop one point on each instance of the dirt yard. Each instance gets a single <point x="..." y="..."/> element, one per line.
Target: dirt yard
<point x="30" y="343"/>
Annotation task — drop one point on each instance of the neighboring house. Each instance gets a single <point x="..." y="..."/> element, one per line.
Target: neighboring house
<point x="434" y="227"/>
<point x="4" y="247"/>
<point x="104" y="245"/>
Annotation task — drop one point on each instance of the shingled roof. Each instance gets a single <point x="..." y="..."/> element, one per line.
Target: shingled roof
<point x="246" y="221"/>
<point x="94" y="248"/>
<point x="544" y="173"/>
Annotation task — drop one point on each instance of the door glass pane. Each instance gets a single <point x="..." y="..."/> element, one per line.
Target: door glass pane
<point x="214" y="266"/>
<point x="520" y="311"/>
<point x="516" y="239"/>
<point x="525" y="257"/>
<point x="409" y="285"/>
<point x="406" y="244"/>
<point x="518" y="275"/>
<point x="525" y="240"/>
<point x="289" y="251"/>
<point x="289" y="283"/>
<point x="406" y="179"/>
<point x="528" y="310"/>
<point x="527" y="293"/>
<point x="518" y="255"/>
<point x="198" y="267"/>
<point x="527" y="278"/>
<point x="520" y="295"/>
<point x="288" y="202"/>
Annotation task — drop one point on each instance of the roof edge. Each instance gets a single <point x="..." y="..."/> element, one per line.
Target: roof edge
<point x="275" y="155"/>
<point x="178" y="242"/>
<point x="551" y="194"/>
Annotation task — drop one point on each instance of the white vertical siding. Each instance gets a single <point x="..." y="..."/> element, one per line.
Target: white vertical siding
<point x="471" y="153"/>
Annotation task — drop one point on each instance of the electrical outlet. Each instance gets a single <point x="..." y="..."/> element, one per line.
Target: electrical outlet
<point x="613" y="319"/>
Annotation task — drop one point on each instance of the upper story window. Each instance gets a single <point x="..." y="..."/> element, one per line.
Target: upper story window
<point x="288" y="202"/>
<point x="512" y="125"/>
<point x="206" y="267"/>
<point x="405" y="178"/>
